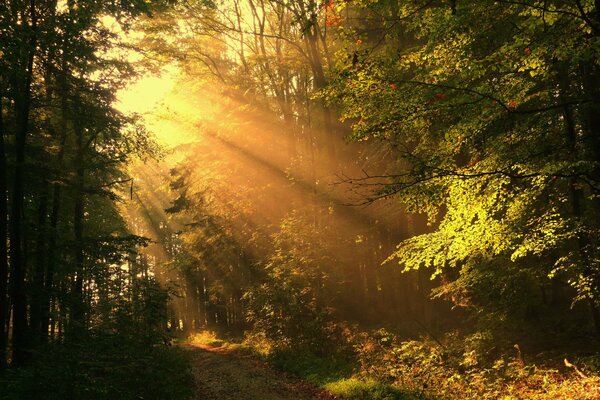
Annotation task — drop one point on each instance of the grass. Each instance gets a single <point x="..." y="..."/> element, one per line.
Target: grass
<point x="426" y="371"/>
<point x="210" y="339"/>
<point x="335" y="374"/>
<point x="314" y="369"/>
<point x="355" y="388"/>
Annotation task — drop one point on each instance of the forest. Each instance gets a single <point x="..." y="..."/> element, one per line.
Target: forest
<point x="355" y="199"/>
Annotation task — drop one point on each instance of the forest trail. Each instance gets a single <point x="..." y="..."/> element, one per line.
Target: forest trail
<point x="224" y="374"/>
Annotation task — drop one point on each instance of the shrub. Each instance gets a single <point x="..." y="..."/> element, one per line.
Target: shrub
<point x="101" y="367"/>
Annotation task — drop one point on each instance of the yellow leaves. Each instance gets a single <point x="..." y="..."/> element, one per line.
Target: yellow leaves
<point x="409" y="59"/>
<point x="478" y="223"/>
<point x="544" y="233"/>
<point x="533" y="65"/>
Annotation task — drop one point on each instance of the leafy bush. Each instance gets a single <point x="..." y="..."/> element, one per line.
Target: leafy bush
<point x="289" y="308"/>
<point x="457" y="367"/>
<point x="120" y="355"/>
<point x="101" y="367"/>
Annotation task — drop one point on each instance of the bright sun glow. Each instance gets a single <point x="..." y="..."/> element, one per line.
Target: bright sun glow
<point x="164" y="105"/>
<point x="146" y="94"/>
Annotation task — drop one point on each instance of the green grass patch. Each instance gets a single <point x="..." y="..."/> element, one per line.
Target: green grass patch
<point x="335" y="373"/>
<point x="354" y="388"/>
<point x="312" y="368"/>
<point x="210" y="339"/>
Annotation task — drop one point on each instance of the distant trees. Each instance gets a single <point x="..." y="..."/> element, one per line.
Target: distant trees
<point x="250" y="242"/>
<point x="272" y="52"/>
<point x="481" y="115"/>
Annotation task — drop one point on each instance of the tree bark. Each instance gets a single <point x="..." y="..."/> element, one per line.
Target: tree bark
<point x="22" y="85"/>
<point x="3" y="246"/>
<point x="78" y="217"/>
<point x="588" y="151"/>
<point x="56" y="195"/>
<point x="40" y="264"/>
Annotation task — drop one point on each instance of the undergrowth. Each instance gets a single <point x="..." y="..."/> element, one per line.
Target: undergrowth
<point x="101" y="367"/>
<point x="472" y="367"/>
<point x="378" y="365"/>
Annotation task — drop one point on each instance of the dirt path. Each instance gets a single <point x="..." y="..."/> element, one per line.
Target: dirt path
<point x="224" y="374"/>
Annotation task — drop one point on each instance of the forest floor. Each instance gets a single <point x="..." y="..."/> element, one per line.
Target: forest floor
<point x="223" y="373"/>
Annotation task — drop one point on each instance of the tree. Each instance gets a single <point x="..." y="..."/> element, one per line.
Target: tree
<point x="57" y="85"/>
<point x="490" y="108"/>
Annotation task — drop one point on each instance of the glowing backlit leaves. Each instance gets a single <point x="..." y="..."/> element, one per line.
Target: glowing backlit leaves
<point x="332" y="13"/>
<point x="468" y="102"/>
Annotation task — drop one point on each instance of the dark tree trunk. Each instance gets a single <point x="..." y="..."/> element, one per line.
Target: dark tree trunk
<point x="17" y="259"/>
<point x="22" y="86"/>
<point x="591" y="145"/>
<point x="3" y="247"/>
<point x="78" y="216"/>
<point x="320" y="82"/>
<point x="588" y="151"/>
<point x="40" y="264"/>
<point x="201" y="302"/>
<point x="56" y="200"/>
<point x="51" y="261"/>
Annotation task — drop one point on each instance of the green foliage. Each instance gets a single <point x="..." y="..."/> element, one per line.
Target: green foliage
<point x="289" y="308"/>
<point x="367" y="390"/>
<point x="317" y="369"/>
<point x="75" y="271"/>
<point x="119" y="353"/>
<point x="101" y="366"/>
<point x="491" y="118"/>
<point x="473" y="367"/>
<point x="334" y="373"/>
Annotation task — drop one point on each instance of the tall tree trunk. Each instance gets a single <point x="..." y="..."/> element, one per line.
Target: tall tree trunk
<point x="17" y="259"/>
<point x="591" y="146"/>
<point x="22" y="85"/>
<point x="578" y="197"/>
<point x="3" y="246"/>
<point x="56" y="197"/>
<point x="51" y="261"/>
<point x="78" y="216"/>
<point x="320" y="81"/>
<point x="201" y="302"/>
<point x="40" y="264"/>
